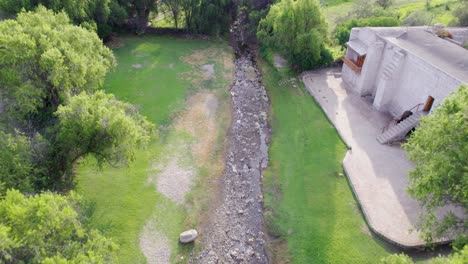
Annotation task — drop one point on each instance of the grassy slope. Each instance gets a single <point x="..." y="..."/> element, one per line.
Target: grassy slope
<point x="338" y="9"/>
<point x="315" y="209"/>
<point x="124" y="200"/>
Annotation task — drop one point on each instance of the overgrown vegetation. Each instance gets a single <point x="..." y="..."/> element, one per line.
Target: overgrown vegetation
<point x="439" y="148"/>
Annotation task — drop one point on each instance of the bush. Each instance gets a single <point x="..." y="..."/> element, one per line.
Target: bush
<point x="343" y="30"/>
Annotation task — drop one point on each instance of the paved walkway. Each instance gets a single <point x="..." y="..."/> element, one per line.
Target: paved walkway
<point x="377" y="173"/>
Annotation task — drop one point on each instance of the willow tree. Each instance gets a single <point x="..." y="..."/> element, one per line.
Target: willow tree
<point x="44" y="60"/>
<point x="298" y="30"/>
<point x="50" y="73"/>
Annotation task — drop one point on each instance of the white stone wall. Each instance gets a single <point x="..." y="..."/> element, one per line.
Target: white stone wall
<point x="418" y="81"/>
<point x="410" y="84"/>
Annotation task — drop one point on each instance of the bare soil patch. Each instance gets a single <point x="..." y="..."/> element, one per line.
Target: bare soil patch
<point x="176" y="171"/>
<point x="154" y="245"/>
<point x="203" y="71"/>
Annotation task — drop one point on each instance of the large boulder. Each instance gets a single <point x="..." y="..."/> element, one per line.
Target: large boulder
<point x="188" y="236"/>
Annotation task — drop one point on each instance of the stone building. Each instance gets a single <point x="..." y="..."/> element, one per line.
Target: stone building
<point x="405" y="68"/>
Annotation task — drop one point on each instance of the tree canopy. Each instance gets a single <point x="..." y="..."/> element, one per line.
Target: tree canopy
<point x="102" y="16"/>
<point x="46" y="228"/>
<point x="439" y="150"/>
<point x="100" y="125"/>
<point x="299" y="30"/>
<point x="44" y="60"/>
<point x="50" y="73"/>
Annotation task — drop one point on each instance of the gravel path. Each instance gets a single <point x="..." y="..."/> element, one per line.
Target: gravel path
<point x="235" y="231"/>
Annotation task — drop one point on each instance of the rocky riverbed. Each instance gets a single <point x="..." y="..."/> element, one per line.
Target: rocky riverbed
<point x="235" y="231"/>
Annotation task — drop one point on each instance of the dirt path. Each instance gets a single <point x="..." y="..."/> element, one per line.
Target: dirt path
<point x="235" y="232"/>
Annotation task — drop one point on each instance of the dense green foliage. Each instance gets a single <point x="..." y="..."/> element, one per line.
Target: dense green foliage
<point x="297" y="29"/>
<point x="343" y="30"/>
<point x="16" y="167"/>
<point x="200" y="16"/>
<point x="98" y="15"/>
<point x="439" y="150"/>
<point x="308" y="203"/>
<point x="44" y="63"/>
<point x="46" y="228"/>
<point x="101" y="126"/>
<point x="97" y="123"/>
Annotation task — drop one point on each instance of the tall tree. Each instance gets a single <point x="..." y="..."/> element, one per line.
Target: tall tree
<point x="99" y="125"/>
<point x="439" y="150"/>
<point x="43" y="61"/>
<point x="299" y="30"/>
<point x="92" y="14"/>
<point x="50" y="72"/>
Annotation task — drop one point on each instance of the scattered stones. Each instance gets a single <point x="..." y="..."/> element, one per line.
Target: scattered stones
<point x="137" y="66"/>
<point x="188" y="236"/>
<point x="234" y="233"/>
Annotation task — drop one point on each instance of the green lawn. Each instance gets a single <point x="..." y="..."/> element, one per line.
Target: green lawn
<point x="310" y="208"/>
<point x="152" y="74"/>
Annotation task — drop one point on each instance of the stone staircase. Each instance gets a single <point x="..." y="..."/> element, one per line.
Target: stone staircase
<point x="399" y="131"/>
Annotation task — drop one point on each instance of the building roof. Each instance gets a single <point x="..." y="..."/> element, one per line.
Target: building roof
<point x="442" y="54"/>
<point x="358" y="46"/>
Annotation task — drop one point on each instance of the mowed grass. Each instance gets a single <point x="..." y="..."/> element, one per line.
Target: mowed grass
<point x="311" y="213"/>
<point x="149" y="74"/>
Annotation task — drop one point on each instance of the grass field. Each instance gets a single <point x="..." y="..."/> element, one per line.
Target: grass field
<point x="310" y="210"/>
<point x="156" y="74"/>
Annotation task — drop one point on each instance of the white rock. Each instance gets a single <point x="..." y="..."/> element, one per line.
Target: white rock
<point x="188" y="236"/>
